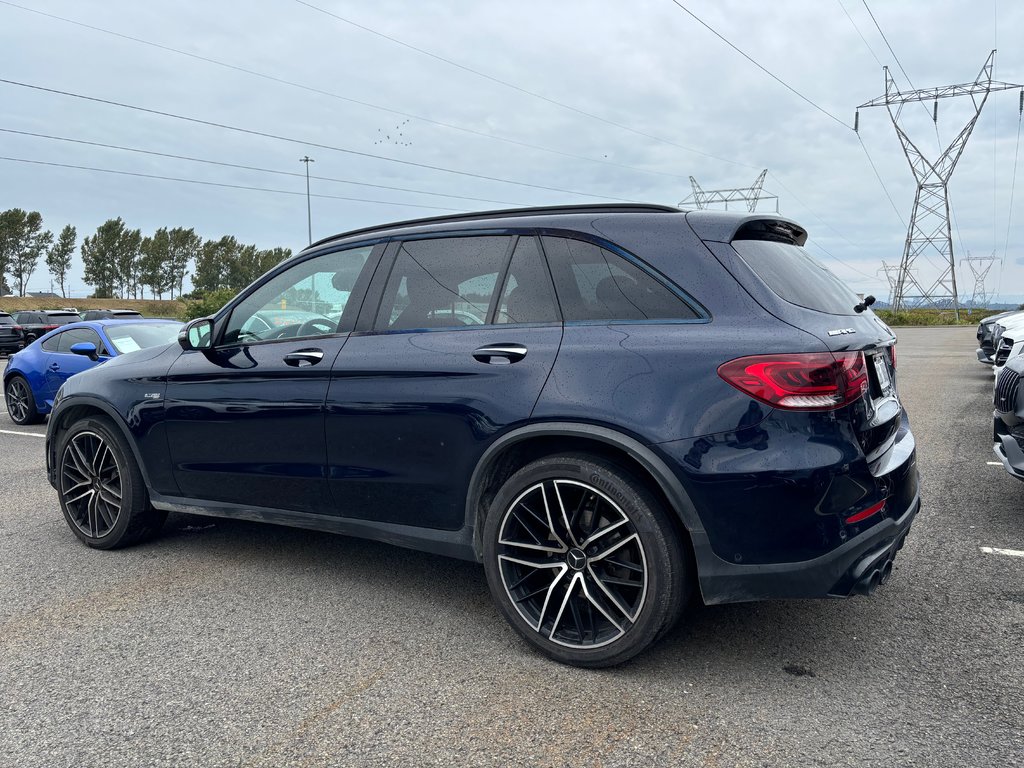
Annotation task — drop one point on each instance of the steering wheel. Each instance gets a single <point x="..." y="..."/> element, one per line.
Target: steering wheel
<point x="318" y="326"/>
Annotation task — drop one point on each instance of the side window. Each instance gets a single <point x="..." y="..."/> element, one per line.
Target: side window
<point x="306" y="300"/>
<point x="595" y="284"/>
<point x="50" y="345"/>
<point x="527" y="296"/>
<point x="442" y="283"/>
<point x="77" y="335"/>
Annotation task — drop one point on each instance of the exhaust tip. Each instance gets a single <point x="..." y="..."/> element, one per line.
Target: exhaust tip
<point x="886" y="572"/>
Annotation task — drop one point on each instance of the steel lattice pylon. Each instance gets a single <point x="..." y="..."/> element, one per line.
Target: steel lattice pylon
<point x="979" y="266"/>
<point x="891" y="271"/>
<point x="750" y="195"/>
<point x="929" y="232"/>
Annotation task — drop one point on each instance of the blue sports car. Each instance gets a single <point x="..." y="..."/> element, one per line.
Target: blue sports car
<point x="33" y="375"/>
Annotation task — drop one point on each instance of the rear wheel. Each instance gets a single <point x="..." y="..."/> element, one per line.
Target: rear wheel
<point x="101" y="490"/>
<point x="21" y="404"/>
<point x="583" y="561"/>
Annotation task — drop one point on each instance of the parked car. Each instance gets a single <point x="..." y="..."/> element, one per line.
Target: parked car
<point x="33" y="376"/>
<point x="986" y="337"/>
<point x="659" y="404"/>
<point x="12" y="336"/>
<point x="1008" y="337"/>
<point x="36" y="323"/>
<point x="1008" y="417"/>
<point x="103" y="314"/>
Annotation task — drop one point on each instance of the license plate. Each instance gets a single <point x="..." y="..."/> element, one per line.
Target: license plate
<point x="882" y="369"/>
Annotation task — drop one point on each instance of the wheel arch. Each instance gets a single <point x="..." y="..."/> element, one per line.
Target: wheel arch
<point x="73" y="408"/>
<point x="520" y="446"/>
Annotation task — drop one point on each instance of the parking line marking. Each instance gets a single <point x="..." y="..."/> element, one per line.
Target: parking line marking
<point x="26" y="434"/>
<point x="1007" y="552"/>
<point x="994" y="463"/>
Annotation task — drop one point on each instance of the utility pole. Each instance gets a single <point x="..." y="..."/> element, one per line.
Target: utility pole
<point x="309" y="211"/>
<point x="929" y="231"/>
<point x="750" y="195"/>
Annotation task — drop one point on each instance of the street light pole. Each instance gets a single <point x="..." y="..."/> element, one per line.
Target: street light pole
<point x="309" y="212"/>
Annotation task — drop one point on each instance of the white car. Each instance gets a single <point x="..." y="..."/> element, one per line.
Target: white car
<point x="1008" y="339"/>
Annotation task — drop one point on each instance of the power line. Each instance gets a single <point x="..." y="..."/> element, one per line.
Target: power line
<point x="861" y="34"/>
<point x="217" y="183"/>
<point x="879" y="177"/>
<point x="886" y="40"/>
<point x="333" y="95"/>
<point x="305" y="143"/>
<point x="742" y="53"/>
<point x="518" y="88"/>
<point x="240" y="166"/>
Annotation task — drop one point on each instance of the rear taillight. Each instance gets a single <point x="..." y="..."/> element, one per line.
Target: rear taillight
<point x="812" y="381"/>
<point x="892" y="355"/>
<point x="50" y="327"/>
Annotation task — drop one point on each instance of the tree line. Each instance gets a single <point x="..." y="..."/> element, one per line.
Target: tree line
<point x="119" y="262"/>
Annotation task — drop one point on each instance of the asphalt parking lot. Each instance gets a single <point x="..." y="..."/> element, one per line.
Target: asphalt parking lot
<point x="238" y="644"/>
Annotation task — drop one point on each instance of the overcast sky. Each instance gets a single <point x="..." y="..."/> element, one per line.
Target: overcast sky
<point x="688" y="105"/>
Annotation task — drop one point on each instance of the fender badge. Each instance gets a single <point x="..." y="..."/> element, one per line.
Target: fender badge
<point x="841" y="331"/>
<point x="152" y="395"/>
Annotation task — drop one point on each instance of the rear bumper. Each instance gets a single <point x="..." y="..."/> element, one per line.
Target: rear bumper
<point x="856" y="567"/>
<point x="983" y="356"/>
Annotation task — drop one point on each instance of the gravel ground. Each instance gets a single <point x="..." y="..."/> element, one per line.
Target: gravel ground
<point x="237" y="644"/>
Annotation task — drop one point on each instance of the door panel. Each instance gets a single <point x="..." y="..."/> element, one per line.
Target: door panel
<point x="245" y="420"/>
<point x="245" y="426"/>
<point x="409" y="414"/>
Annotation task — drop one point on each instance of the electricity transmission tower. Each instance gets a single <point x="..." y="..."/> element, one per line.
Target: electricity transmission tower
<point x="891" y="272"/>
<point x="750" y="195"/>
<point x="979" y="266"/>
<point x="929" y="232"/>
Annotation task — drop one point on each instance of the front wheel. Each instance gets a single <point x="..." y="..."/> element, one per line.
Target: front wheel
<point x="21" y="403"/>
<point x="101" y="490"/>
<point x="583" y="560"/>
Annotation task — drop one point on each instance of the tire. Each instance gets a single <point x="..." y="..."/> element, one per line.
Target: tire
<point x="21" y="403"/>
<point x="100" y="487"/>
<point x="583" y="561"/>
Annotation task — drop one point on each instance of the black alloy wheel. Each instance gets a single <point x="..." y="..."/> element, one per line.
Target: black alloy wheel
<point x="21" y="405"/>
<point x="101" y="489"/>
<point x="583" y="561"/>
<point x="90" y="484"/>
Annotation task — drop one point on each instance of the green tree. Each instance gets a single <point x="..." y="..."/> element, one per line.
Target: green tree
<point x="12" y="224"/>
<point x="155" y="252"/>
<point x="215" y="264"/>
<point x="184" y="246"/>
<point x="58" y="258"/>
<point x="105" y="255"/>
<point x="27" y="242"/>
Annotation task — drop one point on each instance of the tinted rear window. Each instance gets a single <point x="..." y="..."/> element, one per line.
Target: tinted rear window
<point x="796" y="276"/>
<point x="6" y="320"/>
<point x="62" y="318"/>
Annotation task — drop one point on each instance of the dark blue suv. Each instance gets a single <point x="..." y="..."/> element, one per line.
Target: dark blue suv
<point x="613" y="408"/>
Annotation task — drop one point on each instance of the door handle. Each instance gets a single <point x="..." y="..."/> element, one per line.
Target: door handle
<point x="304" y="357"/>
<point x="500" y="354"/>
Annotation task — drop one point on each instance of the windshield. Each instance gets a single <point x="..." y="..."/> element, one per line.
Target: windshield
<point x="131" y="337"/>
<point x="796" y="276"/>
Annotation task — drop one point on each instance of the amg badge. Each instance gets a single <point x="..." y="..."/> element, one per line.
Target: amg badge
<point x="841" y="331"/>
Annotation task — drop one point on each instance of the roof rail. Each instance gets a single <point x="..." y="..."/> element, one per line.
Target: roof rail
<point x="509" y="213"/>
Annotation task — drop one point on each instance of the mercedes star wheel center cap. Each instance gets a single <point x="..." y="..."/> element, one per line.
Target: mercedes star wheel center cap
<point x="576" y="559"/>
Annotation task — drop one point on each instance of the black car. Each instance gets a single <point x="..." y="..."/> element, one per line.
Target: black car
<point x="613" y="408"/>
<point x="106" y="314"/>
<point x="39" y="322"/>
<point x="12" y="337"/>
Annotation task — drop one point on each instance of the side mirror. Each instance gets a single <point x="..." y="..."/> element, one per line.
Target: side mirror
<point x="197" y="334"/>
<point x="86" y="348"/>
